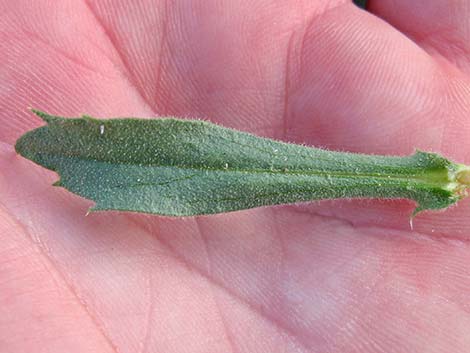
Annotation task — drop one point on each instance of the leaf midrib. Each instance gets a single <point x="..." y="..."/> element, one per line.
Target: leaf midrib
<point x="404" y="179"/>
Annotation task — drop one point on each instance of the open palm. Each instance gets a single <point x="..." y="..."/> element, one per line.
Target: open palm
<point x="332" y="276"/>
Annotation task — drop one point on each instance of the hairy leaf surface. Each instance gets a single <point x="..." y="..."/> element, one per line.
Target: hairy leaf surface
<point x="180" y="167"/>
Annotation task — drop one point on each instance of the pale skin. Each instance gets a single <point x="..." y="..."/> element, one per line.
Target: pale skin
<point x="332" y="276"/>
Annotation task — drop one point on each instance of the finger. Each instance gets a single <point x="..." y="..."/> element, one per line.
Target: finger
<point x="67" y="69"/>
<point x="441" y="27"/>
<point x="207" y="59"/>
<point x="356" y="83"/>
<point x="359" y="85"/>
<point x="337" y="77"/>
<point x="222" y="60"/>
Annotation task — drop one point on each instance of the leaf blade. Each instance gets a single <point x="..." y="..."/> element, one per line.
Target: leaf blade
<point x="179" y="167"/>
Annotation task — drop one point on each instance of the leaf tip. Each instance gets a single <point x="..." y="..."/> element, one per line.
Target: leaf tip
<point x="19" y="145"/>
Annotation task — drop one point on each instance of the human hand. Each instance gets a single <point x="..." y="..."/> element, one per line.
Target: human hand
<point x="331" y="276"/>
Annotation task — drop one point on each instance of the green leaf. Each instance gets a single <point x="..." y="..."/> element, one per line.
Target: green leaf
<point x="189" y="167"/>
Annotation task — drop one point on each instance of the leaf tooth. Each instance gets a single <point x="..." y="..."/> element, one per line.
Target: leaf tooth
<point x="45" y="117"/>
<point x="87" y="117"/>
